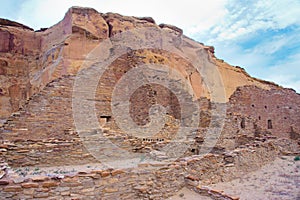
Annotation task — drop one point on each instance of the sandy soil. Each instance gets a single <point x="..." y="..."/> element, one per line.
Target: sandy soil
<point x="188" y="194"/>
<point x="279" y="180"/>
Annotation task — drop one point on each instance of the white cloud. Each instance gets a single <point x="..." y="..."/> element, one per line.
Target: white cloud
<point x="42" y="14"/>
<point x="244" y="18"/>
<point x="238" y="40"/>
<point x="287" y="74"/>
<point x="276" y="43"/>
<point x="255" y="63"/>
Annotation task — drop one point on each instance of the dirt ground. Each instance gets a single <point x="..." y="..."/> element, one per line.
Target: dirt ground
<point x="188" y="194"/>
<point x="279" y="180"/>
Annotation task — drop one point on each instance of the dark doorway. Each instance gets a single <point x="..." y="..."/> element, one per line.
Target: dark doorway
<point x="270" y="126"/>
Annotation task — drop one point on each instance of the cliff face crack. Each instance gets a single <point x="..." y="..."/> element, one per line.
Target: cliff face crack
<point x="110" y="28"/>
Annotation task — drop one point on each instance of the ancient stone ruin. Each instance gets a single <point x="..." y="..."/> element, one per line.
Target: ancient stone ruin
<point x="65" y="134"/>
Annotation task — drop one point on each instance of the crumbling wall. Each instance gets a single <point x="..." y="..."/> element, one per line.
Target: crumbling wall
<point x="149" y="181"/>
<point x="275" y="111"/>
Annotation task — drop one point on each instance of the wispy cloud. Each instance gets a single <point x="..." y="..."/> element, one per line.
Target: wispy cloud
<point x="286" y="73"/>
<point x="246" y="17"/>
<point x="261" y="36"/>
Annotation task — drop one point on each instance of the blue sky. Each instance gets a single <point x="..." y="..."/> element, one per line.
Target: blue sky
<point x="261" y="36"/>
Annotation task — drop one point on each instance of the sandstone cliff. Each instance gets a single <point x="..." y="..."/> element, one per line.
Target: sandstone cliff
<point x="31" y="59"/>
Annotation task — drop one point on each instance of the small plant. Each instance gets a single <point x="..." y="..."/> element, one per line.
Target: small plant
<point x="23" y="174"/>
<point x="63" y="172"/>
<point x="297" y="158"/>
<point x="18" y="170"/>
<point x="36" y="173"/>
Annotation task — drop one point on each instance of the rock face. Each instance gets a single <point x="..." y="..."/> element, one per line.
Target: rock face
<point x="29" y="60"/>
<point x="38" y="71"/>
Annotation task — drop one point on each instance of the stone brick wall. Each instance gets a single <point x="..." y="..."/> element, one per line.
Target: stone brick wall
<point x="149" y="181"/>
<point x="275" y="110"/>
<point x="43" y="132"/>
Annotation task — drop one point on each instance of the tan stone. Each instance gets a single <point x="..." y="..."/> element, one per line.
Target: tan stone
<point x="29" y="191"/>
<point x="87" y="190"/>
<point x="142" y="189"/>
<point x="70" y="179"/>
<point x="116" y="172"/>
<point x="50" y="184"/>
<point x="105" y="173"/>
<point x="66" y="193"/>
<point x="71" y="184"/>
<point x="96" y="171"/>
<point x="110" y="190"/>
<point x="12" y="188"/>
<point x="41" y="195"/>
<point x="30" y="185"/>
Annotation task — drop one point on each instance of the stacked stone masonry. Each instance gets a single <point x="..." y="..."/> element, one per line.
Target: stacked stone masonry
<point x="149" y="181"/>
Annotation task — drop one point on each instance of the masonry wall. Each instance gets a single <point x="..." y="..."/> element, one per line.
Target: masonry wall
<point x="149" y="181"/>
<point x="275" y="110"/>
<point x="49" y="116"/>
